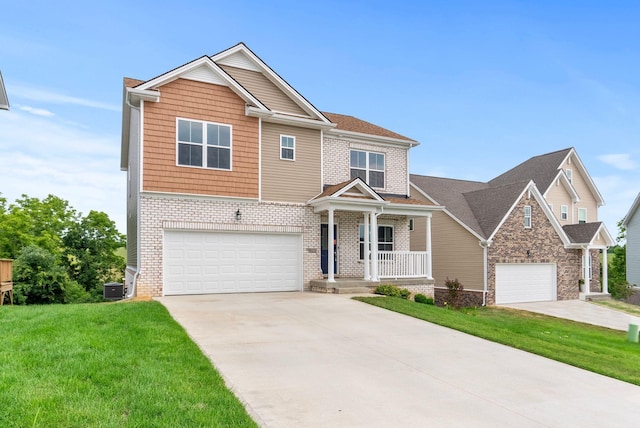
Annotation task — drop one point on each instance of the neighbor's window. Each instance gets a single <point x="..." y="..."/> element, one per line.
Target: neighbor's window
<point x="582" y="215"/>
<point x="204" y="144"/>
<point x="564" y="212"/>
<point x="527" y="216"/>
<point x="385" y="239"/>
<point x="287" y="147"/>
<point x="569" y="175"/>
<point x="368" y="166"/>
<point x="412" y="225"/>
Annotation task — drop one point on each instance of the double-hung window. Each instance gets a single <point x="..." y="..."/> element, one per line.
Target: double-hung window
<point x="369" y="166"/>
<point x="385" y="239"/>
<point x="527" y="216"/>
<point x="287" y="147"/>
<point x="564" y="212"/>
<point x="569" y="174"/>
<point x="582" y="215"/>
<point x="204" y="144"/>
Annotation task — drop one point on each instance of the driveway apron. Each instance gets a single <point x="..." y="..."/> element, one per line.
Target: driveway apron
<point x="316" y="360"/>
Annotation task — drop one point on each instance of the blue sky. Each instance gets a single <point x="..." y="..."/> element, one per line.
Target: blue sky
<point x="482" y="85"/>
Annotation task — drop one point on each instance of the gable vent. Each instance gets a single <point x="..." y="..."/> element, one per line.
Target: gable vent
<point x="204" y="74"/>
<point x="239" y="60"/>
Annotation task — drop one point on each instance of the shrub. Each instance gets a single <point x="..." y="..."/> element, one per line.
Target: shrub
<point x="454" y="292"/>
<point x="421" y="298"/>
<point x="393" y="291"/>
<point x="620" y="290"/>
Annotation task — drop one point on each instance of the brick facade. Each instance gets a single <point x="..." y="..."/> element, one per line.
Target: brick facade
<point x="336" y="165"/>
<point x="513" y="240"/>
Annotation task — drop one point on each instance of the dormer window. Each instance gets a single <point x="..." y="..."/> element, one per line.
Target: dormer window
<point x="369" y="166"/>
<point x="569" y="173"/>
<point x="527" y="216"/>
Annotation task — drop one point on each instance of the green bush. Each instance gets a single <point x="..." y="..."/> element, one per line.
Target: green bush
<point x="421" y="298"/>
<point x="454" y="292"/>
<point x="620" y="290"/>
<point x="392" y="291"/>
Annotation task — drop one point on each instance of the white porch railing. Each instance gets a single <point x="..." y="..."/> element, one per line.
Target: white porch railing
<point x="402" y="264"/>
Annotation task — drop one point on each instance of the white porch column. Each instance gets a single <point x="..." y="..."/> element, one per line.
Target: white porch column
<point x="585" y="269"/>
<point x="428" y="247"/>
<point x="605" y="271"/>
<point x="374" y="247"/>
<point x="331" y="250"/>
<point x="366" y="256"/>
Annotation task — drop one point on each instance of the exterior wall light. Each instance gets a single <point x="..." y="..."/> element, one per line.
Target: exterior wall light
<point x="238" y="215"/>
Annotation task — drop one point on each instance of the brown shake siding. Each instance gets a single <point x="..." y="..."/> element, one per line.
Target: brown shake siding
<point x="286" y="180"/>
<point x="207" y="102"/>
<point x="512" y="241"/>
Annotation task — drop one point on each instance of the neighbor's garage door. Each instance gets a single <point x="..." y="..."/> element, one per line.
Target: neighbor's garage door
<point x="220" y="262"/>
<point x="529" y="282"/>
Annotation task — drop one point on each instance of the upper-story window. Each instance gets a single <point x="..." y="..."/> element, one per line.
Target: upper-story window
<point x="287" y="147"/>
<point x="527" y="216"/>
<point x="369" y="166"/>
<point x="564" y="212"/>
<point x="582" y="215"/>
<point x="204" y="144"/>
<point x="569" y="175"/>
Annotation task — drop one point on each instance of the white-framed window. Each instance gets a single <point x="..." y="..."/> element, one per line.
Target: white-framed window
<point x="385" y="239"/>
<point x="527" y="216"/>
<point x="203" y="144"/>
<point x="564" y="212"/>
<point x="369" y="166"/>
<point x="569" y="173"/>
<point x="587" y="265"/>
<point x="582" y="215"/>
<point x="412" y="225"/>
<point x="287" y="147"/>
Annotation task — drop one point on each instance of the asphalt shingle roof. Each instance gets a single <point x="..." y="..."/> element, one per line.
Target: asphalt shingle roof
<point x="582" y="233"/>
<point x="541" y="169"/>
<point x="353" y="124"/>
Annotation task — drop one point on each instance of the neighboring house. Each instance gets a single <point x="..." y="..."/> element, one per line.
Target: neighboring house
<point x="632" y="223"/>
<point x="4" y="101"/>
<point x="530" y="234"/>
<point x="237" y="183"/>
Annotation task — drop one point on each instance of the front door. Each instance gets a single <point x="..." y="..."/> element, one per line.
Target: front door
<point x="324" y="248"/>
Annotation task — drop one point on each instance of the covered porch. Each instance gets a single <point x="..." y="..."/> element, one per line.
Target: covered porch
<point x="372" y="244"/>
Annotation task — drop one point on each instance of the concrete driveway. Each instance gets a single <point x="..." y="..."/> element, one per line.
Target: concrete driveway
<point x="581" y="311"/>
<point x="314" y="360"/>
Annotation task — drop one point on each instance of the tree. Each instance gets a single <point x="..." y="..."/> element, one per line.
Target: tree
<point x="617" y="283"/>
<point x="90" y="247"/>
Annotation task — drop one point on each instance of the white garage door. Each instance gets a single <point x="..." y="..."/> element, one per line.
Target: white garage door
<point x="529" y="282"/>
<point x="221" y="262"/>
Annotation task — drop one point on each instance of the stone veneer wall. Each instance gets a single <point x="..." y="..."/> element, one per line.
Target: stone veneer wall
<point x="595" y="285"/>
<point x="158" y="212"/>
<point x="512" y="241"/>
<point x="336" y="163"/>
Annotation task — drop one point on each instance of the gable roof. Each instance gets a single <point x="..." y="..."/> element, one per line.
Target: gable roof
<point x="4" y="101"/>
<point x="586" y="233"/>
<point x="632" y="211"/>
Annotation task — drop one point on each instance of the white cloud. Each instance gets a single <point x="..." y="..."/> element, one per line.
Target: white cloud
<point x="619" y="160"/>
<point x="45" y="95"/>
<point x="36" y="111"/>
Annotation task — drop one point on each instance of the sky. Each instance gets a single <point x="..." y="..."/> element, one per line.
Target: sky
<point x="483" y="86"/>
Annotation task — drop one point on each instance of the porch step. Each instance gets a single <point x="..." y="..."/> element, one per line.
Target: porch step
<point x="353" y="290"/>
<point x="597" y="297"/>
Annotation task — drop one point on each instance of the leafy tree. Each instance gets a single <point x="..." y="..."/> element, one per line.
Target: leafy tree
<point x="617" y="283"/>
<point x="90" y="249"/>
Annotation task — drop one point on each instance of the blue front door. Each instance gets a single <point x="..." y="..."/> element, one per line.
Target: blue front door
<point x="324" y="248"/>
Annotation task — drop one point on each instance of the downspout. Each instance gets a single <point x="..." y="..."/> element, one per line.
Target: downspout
<point x="132" y="292"/>
<point x="485" y="260"/>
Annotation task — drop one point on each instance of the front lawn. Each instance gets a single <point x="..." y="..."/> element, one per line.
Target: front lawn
<point x="619" y="306"/>
<point x="107" y="365"/>
<point x="597" y="349"/>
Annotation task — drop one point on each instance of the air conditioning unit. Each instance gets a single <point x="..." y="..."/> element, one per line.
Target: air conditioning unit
<point x="114" y="291"/>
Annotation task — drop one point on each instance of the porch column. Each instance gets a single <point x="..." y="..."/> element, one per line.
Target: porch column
<point x="605" y="272"/>
<point x="585" y="269"/>
<point x="428" y="246"/>
<point x="374" y="247"/>
<point x="367" y="252"/>
<point x="331" y="250"/>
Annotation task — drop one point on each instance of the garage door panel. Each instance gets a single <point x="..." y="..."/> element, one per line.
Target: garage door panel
<point x="216" y="262"/>
<point x="528" y="282"/>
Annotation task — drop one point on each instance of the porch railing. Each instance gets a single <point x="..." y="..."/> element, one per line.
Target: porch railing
<point x="402" y="264"/>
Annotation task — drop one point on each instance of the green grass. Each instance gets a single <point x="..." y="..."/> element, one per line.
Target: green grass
<point x="597" y="349"/>
<point x="620" y="306"/>
<point x="107" y="365"/>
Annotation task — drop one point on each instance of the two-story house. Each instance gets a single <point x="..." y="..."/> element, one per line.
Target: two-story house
<point x="237" y="183"/>
<point x="530" y="234"/>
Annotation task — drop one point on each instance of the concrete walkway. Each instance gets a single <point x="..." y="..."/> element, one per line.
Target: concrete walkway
<point x="314" y="360"/>
<point x="579" y="310"/>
